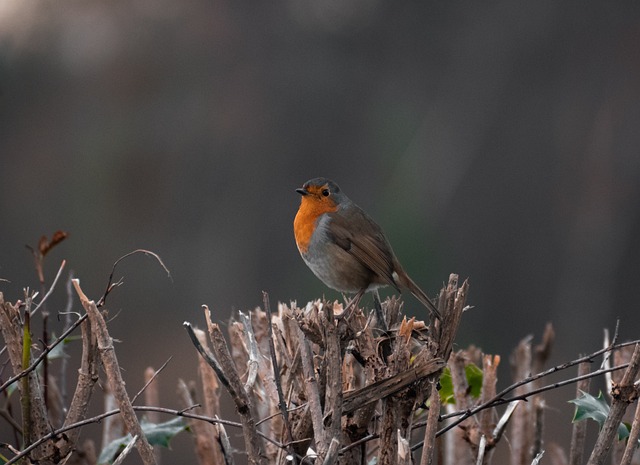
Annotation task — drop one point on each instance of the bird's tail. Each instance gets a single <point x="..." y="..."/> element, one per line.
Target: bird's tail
<point x="418" y="293"/>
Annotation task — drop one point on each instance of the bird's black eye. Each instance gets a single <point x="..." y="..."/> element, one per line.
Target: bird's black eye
<point x="325" y="192"/>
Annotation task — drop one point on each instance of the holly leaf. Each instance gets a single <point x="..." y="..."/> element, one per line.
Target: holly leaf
<point x="446" y="387"/>
<point x="597" y="409"/>
<point x="158" y="434"/>
<point x="474" y="379"/>
<point x="59" y="350"/>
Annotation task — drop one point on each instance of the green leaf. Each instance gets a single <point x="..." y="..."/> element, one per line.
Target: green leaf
<point x="474" y="379"/>
<point x="158" y="434"/>
<point x="446" y="387"/>
<point x="596" y="408"/>
<point x="59" y="350"/>
<point x="161" y="433"/>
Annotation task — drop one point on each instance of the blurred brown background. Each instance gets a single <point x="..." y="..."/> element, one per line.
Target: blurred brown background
<point x="496" y="140"/>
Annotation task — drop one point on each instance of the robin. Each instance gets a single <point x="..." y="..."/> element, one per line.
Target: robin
<point x="344" y="247"/>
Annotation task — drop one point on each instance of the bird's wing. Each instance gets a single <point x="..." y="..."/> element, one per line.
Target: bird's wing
<point x="363" y="238"/>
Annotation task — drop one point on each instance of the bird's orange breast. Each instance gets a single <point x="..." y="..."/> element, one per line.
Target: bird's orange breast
<point x="305" y="221"/>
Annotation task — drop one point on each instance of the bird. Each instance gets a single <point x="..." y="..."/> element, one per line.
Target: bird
<point x="345" y="248"/>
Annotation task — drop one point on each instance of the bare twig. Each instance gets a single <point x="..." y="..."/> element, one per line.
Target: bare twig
<point x="537" y="458"/>
<point x="51" y="288"/>
<point x="122" y="455"/>
<point x="204" y="434"/>
<point x="463" y="415"/>
<point x="253" y="442"/>
<point x="522" y="421"/>
<point x="111" y="284"/>
<point x="152" y="397"/>
<point x="481" y="450"/>
<point x="152" y="376"/>
<point x="623" y="394"/>
<point x="225" y="444"/>
<point x="98" y="418"/>
<point x="253" y="362"/>
<point x="332" y="452"/>
<point x="64" y="363"/>
<point x="110" y="363"/>
<point x="608" y="342"/>
<point x="489" y="381"/>
<point x="504" y="420"/>
<point x="209" y="436"/>
<point x="312" y="393"/>
<point x="43" y="354"/>
<point x="432" y="426"/>
<point x="454" y="298"/>
<point x="373" y="392"/>
<point x="206" y="355"/>
<point x="632" y="440"/>
<point x="579" y="429"/>
<point x="282" y="405"/>
<point x="87" y="378"/>
<point x="333" y="392"/>
<point x="228" y="376"/>
<point x="404" y="451"/>
<point x="17" y="335"/>
<point x="500" y="399"/>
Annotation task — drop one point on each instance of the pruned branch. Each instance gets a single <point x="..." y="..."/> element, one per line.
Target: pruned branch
<point x="623" y="394"/>
<point x="112" y="368"/>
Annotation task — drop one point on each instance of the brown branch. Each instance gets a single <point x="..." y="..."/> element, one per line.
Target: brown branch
<point x="142" y="408"/>
<point x="632" y="440"/>
<point x="332" y="452"/>
<point x="522" y="421"/>
<point x="211" y="396"/>
<point x="454" y="300"/>
<point x="355" y="400"/>
<point x="500" y="399"/>
<point x="282" y="405"/>
<point x="333" y="392"/>
<point x="225" y="444"/>
<point x="205" y="436"/>
<point x="43" y="354"/>
<point x="623" y="394"/>
<point x="463" y="415"/>
<point x="16" y="334"/>
<point x="253" y="442"/>
<point x="110" y="363"/>
<point x="87" y="378"/>
<point x="432" y="426"/>
<point x="151" y="397"/>
<point x="253" y="361"/>
<point x="579" y="429"/>
<point x="489" y="381"/>
<point x="206" y="355"/>
<point x="312" y="392"/>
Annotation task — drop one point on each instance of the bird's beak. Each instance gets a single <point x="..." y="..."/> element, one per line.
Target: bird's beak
<point x="302" y="191"/>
